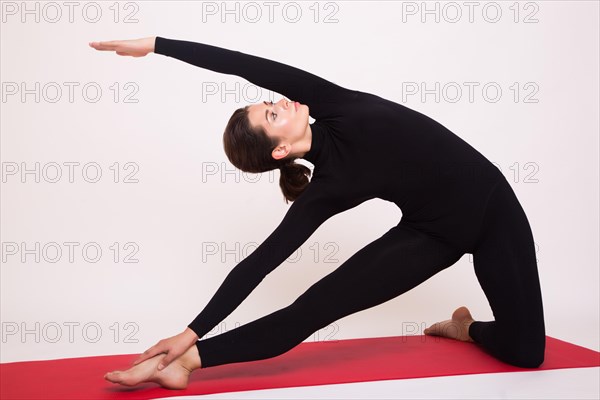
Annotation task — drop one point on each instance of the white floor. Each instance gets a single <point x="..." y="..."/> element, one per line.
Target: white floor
<point x="573" y="383"/>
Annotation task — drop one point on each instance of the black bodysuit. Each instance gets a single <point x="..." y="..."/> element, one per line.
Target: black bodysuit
<point x="453" y="201"/>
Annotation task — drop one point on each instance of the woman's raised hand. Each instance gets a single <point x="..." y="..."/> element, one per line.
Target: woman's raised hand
<point x="133" y="48"/>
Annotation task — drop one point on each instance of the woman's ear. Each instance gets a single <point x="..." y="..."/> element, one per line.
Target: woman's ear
<point x="281" y="151"/>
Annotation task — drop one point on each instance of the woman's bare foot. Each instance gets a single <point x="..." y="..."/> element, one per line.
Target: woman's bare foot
<point x="455" y="328"/>
<point x="175" y="376"/>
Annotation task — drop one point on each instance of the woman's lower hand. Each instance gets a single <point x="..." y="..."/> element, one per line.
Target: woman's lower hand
<point x="133" y="48"/>
<point x="174" y="346"/>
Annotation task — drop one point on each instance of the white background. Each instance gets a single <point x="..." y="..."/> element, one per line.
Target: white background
<point x="173" y="136"/>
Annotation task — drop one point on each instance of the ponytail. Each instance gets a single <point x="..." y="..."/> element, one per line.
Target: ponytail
<point x="293" y="179"/>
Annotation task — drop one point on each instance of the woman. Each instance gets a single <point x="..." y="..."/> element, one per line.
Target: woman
<point x="453" y="201"/>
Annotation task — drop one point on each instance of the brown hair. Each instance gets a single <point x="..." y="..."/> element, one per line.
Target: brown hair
<point x="249" y="149"/>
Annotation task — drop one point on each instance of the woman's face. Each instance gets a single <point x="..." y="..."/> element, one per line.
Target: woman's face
<point x="286" y="120"/>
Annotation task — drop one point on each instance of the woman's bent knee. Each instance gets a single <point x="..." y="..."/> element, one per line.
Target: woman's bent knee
<point x="530" y="356"/>
<point x="529" y="361"/>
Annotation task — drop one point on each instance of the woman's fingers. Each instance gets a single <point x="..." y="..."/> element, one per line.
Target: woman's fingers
<point x="143" y="357"/>
<point x="133" y="48"/>
<point x="116" y="45"/>
<point x="171" y="355"/>
<point x="110" y="45"/>
<point x="151" y="352"/>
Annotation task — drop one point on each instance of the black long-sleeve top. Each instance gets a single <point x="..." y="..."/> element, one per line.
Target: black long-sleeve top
<point x="363" y="147"/>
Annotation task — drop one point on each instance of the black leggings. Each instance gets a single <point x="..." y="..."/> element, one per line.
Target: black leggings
<point x="504" y="262"/>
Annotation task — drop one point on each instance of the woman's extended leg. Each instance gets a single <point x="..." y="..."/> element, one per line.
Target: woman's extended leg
<point x="391" y="265"/>
<point x="506" y="267"/>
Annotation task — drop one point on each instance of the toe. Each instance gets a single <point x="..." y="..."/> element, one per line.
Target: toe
<point x="113" y="376"/>
<point x="432" y="329"/>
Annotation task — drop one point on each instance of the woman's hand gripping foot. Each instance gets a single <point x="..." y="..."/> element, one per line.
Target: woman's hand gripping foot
<point x="179" y="356"/>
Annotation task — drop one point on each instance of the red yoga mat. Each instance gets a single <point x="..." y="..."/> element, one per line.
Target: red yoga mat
<point x="308" y="364"/>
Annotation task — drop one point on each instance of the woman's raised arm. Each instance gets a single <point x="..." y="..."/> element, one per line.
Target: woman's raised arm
<point x="321" y="95"/>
